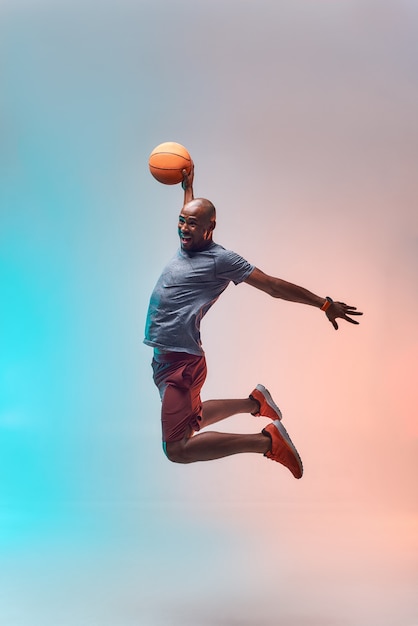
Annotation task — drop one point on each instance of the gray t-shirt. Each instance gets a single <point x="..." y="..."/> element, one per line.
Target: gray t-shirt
<point x="188" y="286"/>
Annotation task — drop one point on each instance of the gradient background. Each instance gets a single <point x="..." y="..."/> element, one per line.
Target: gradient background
<point x="301" y="117"/>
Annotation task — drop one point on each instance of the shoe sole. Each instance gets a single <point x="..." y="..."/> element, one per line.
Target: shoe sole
<point x="284" y="434"/>
<point x="265" y="392"/>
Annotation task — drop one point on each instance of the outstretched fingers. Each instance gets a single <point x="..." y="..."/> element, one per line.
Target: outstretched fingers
<point x="351" y="310"/>
<point x="343" y="311"/>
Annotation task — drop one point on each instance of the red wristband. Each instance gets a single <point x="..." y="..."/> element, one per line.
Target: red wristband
<point x="327" y="304"/>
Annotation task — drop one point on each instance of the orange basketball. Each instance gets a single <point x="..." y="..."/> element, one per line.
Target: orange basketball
<point x="167" y="161"/>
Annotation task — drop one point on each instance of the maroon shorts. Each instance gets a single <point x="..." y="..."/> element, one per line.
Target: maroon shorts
<point x="179" y="377"/>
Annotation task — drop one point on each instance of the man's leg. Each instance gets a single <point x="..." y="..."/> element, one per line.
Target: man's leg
<point x="213" y="445"/>
<point x="259" y="402"/>
<point x="216" y="410"/>
<point x="273" y="442"/>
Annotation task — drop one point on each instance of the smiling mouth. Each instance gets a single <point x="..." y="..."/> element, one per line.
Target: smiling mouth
<point x="185" y="238"/>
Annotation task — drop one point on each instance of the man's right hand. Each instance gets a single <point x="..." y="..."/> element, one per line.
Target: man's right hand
<point x="187" y="184"/>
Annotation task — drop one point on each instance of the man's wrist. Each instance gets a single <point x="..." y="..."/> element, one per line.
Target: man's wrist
<point x="327" y="303"/>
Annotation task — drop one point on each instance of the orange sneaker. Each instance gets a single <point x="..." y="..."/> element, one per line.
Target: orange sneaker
<point x="267" y="406"/>
<point x="282" y="449"/>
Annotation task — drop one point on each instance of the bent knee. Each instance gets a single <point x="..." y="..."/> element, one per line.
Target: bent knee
<point x="175" y="451"/>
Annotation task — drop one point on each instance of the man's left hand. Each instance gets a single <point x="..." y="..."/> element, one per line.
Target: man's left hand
<point x="341" y="310"/>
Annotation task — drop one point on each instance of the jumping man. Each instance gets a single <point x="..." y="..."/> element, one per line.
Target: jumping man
<point x="188" y="286"/>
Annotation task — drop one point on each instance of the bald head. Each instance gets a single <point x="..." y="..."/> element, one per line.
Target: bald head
<point x="203" y="208"/>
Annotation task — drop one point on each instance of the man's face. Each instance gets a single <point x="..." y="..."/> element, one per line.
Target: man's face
<point x="194" y="227"/>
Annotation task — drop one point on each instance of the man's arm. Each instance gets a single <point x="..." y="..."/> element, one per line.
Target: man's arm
<point x="187" y="184"/>
<point x="278" y="288"/>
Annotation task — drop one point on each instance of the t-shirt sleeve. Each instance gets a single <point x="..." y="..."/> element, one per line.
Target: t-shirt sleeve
<point x="232" y="266"/>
